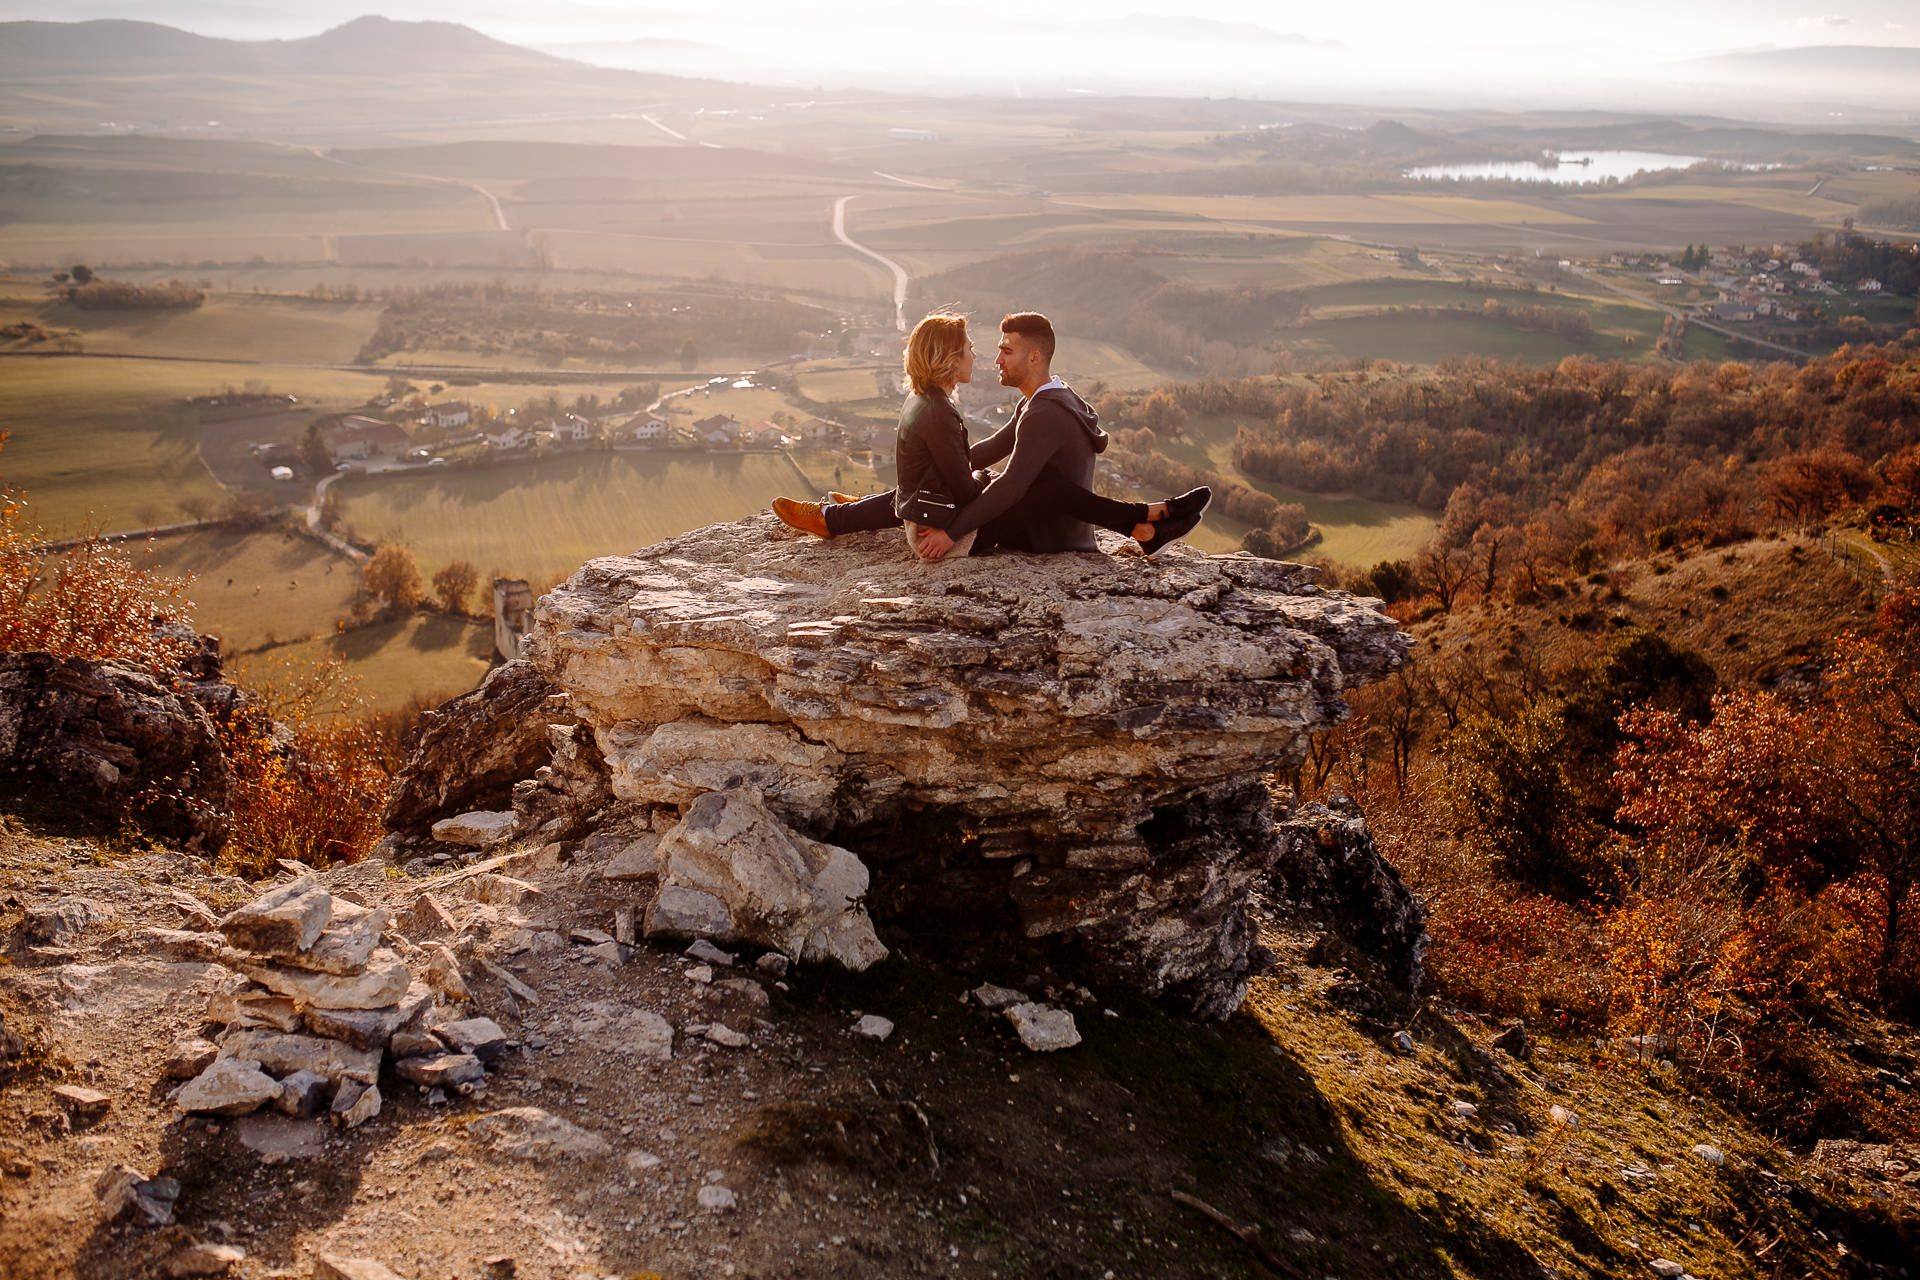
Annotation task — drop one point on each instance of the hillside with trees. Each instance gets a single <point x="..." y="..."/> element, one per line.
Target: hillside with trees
<point x="1654" y="766"/>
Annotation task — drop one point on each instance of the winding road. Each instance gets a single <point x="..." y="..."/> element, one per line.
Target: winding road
<point x="899" y="272"/>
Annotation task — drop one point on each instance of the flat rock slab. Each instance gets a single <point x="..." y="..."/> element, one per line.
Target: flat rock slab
<point x="1043" y="1028"/>
<point x="639" y="1031"/>
<point x="479" y="830"/>
<point x="1109" y="720"/>
<point x="285" y="1054"/>
<point x="440" y="1071"/>
<point x="345" y="945"/>
<point x="247" y="1004"/>
<point x="384" y="983"/>
<point x="230" y="1087"/>
<point x="367" y="1028"/>
<point x="282" y="920"/>
<point x="481" y="1037"/>
<point x="135" y="990"/>
<point x="529" y="1133"/>
<point x="82" y="1103"/>
<point x="280" y="1137"/>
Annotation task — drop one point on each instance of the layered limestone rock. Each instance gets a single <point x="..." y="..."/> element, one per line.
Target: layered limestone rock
<point x="1086" y="736"/>
<point x="109" y="741"/>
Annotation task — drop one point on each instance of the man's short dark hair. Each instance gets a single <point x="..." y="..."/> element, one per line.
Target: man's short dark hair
<point x="1035" y="328"/>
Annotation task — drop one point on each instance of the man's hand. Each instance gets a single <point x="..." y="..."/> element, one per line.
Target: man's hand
<point x="934" y="543"/>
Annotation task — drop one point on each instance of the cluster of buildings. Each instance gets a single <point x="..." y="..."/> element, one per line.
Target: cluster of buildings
<point x="1767" y="284"/>
<point x="359" y="438"/>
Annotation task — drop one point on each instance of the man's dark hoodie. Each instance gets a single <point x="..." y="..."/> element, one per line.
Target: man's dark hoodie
<point x="1053" y="428"/>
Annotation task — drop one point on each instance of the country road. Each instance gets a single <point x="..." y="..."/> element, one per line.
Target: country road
<point x="899" y="272"/>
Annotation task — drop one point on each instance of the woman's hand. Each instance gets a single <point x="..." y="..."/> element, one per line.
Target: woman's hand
<point x="934" y="543"/>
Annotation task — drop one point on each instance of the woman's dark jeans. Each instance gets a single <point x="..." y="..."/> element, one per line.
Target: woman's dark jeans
<point x="1050" y="494"/>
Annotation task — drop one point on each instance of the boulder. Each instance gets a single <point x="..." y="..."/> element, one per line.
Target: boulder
<point x="112" y="741"/>
<point x="473" y="749"/>
<point x="1330" y="870"/>
<point x="733" y="872"/>
<point x="1072" y="744"/>
<point x="1043" y="1028"/>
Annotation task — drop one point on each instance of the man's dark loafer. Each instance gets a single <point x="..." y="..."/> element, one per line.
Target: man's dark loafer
<point x="1169" y="530"/>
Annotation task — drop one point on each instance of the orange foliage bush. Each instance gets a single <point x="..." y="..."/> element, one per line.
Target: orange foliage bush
<point x="91" y="602"/>
<point x="309" y="775"/>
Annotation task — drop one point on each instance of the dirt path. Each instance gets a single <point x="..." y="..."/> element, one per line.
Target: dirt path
<point x="899" y="272"/>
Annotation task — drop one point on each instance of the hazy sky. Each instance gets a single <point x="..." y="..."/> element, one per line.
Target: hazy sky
<point x="1625" y="30"/>
<point x="1484" y="47"/>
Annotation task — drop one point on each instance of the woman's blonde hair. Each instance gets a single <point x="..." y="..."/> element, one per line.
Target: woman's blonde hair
<point x="934" y="351"/>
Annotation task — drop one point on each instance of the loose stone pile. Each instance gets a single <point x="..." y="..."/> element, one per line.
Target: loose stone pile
<point x="316" y="1009"/>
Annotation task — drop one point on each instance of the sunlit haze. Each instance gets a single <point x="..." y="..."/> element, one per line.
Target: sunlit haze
<point x="1494" y="50"/>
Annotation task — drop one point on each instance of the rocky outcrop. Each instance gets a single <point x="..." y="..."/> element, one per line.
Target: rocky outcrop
<point x="110" y="741"/>
<point x="1329" y="870"/>
<point x="473" y="750"/>
<point x="1083" y="738"/>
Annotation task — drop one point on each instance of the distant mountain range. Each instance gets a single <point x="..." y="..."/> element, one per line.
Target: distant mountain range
<point x="1820" y="60"/>
<point x="369" y="45"/>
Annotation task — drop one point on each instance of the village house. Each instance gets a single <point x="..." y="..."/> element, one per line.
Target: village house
<point x="355" y="437"/>
<point x="572" y="429"/>
<point x="1870" y="286"/>
<point x="452" y="413"/>
<point x="513" y="436"/>
<point x="647" y="430"/>
<point x="717" y="431"/>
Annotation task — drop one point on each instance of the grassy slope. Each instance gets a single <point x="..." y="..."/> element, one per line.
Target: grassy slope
<point x="295" y="330"/>
<point x="1355" y="531"/>
<point x="253" y="589"/>
<point x="1756" y="611"/>
<point x="421" y="656"/>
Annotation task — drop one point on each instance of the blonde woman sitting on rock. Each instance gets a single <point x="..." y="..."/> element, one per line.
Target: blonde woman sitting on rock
<point x="950" y="508"/>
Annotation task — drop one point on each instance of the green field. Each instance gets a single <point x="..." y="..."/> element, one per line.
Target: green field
<point x="1354" y="530"/>
<point x="266" y="328"/>
<point x="425" y="656"/>
<point x="541" y="520"/>
<point x="261" y="588"/>
<point x="111" y="443"/>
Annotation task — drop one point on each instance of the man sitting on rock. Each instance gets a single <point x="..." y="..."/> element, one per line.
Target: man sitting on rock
<point x="1050" y="446"/>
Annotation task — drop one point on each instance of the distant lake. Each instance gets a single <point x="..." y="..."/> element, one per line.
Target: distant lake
<point x="1576" y="168"/>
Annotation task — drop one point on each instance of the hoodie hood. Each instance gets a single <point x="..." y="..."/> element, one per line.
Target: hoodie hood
<point x="1059" y="393"/>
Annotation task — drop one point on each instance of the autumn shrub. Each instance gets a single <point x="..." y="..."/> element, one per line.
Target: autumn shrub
<point x="90" y="601"/>
<point x="1514" y="803"/>
<point x="310" y="771"/>
<point x="1496" y="946"/>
